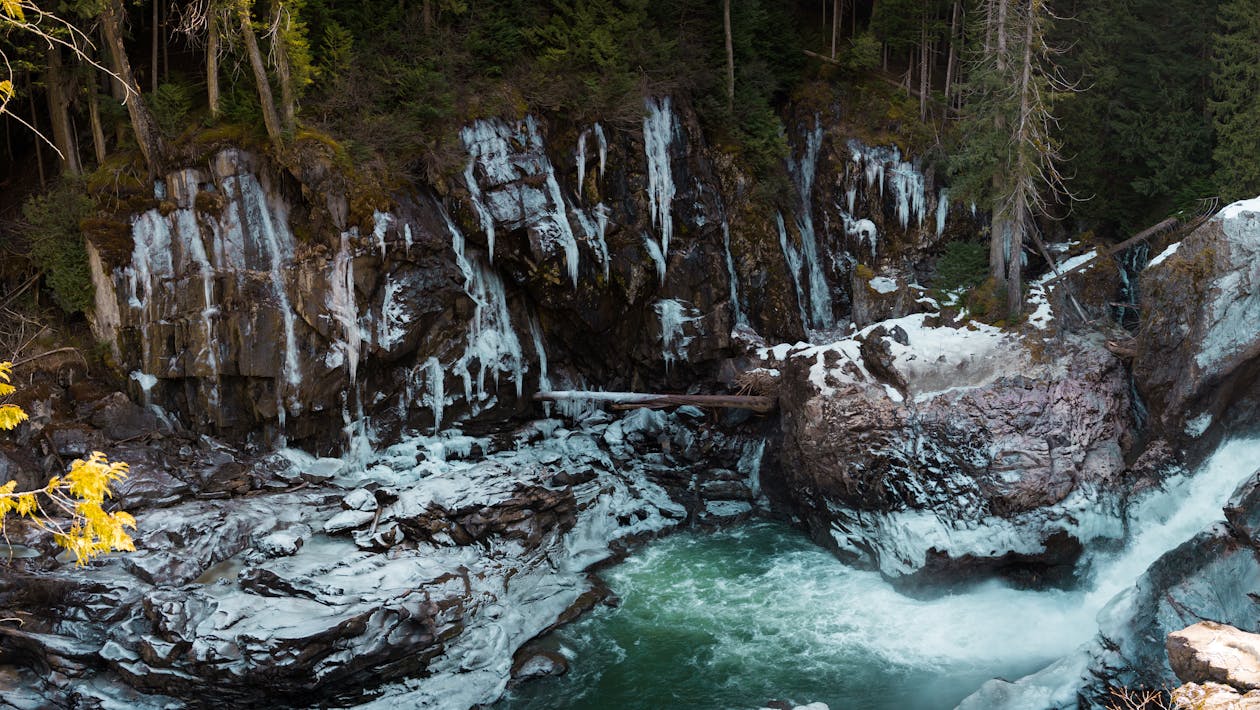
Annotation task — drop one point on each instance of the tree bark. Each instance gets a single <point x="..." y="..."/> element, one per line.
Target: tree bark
<point x="153" y="65"/>
<point x="39" y="145"/>
<point x="835" y="25"/>
<point x="147" y="136"/>
<point x="271" y="120"/>
<point x="1000" y="236"/>
<point x="212" y="61"/>
<point x="953" y="51"/>
<point x="1023" y="175"/>
<point x="98" y="133"/>
<point x="923" y="70"/>
<point x="730" y="57"/>
<point x="426" y="16"/>
<point x="59" y="111"/>
<point x="288" y="102"/>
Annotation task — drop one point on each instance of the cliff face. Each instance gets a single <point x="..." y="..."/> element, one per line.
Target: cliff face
<point x="256" y="298"/>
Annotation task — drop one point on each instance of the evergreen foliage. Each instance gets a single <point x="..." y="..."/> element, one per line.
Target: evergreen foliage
<point x="1236" y="104"/>
<point x="1138" y="133"/>
<point x="57" y="244"/>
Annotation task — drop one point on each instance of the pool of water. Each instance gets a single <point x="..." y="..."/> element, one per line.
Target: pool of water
<point x="740" y="617"/>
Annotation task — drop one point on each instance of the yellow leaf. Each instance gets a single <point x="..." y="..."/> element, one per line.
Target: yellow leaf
<point x="5" y="368"/>
<point x="6" y="90"/>
<point x="11" y="415"/>
<point x="13" y="8"/>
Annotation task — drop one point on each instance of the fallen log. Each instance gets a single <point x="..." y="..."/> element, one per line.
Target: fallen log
<point x="641" y="400"/>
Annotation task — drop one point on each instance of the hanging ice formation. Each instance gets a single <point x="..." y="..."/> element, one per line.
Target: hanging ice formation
<point x="942" y="210"/>
<point x="581" y="165"/>
<point x="593" y="232"/>
<point x="658" y="135"/>
<point x="492" y="347"/>
<point x="513" y="160"/>
<point x="731" y="276"/>
<point x="654" y="253"/>
<point x="603" y="149"/>
<point x="793" y="259"/>
<point x="880" y="165"/>
<point x="803" y="172"/>
<point x="343" y="307"/>
<point x="674" y="315"/>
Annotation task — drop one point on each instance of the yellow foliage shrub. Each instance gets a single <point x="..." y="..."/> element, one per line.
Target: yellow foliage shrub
<point x="86" y="529"/>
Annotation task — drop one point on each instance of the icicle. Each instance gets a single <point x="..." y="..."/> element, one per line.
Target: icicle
<point x="674" y="317"/>
<point x="658" y="135"/>
<point x="535" y="331"/>
<point x="942" y="210"/>
<point x="391" y="327"/>
<point x="491" y="342"/>
<point x="794" y="265"/>
<point x="343" y="306"/>
<point x="581" y="165"/>
<point x="568" y="241"/>
<point x="603" y="149"/>
<point x="380" y="223"/>
<point x="278" y="245"/>
<point x="654" y="252"/>
<point x="804" y="172"/>
<point x="407" y="238"/>
<point x="593" y="233"/>
<point x="731" y="276"/>
<point x="482" y="141"/>
<point x="436" y="396"/>
<point x="908" y="190"/>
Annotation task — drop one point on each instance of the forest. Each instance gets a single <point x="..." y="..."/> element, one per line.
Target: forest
<point x="1100" y="117"/>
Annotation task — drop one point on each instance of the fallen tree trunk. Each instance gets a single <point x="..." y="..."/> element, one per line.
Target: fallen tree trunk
<point x="639" y="400"/>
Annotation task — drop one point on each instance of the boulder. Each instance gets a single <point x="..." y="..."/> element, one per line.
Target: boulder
<point x="1213" y="696"/>
<point x="1208" y="651"/>
<point x="936" y="453"/>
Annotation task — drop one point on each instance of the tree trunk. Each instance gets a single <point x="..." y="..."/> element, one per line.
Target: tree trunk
<point x="147" y="136"/>
<point x="98" y="133"/>
<point x="835" y="25"/>
<point x="1024" y="176"/>
<point x="426" y="16"/>
<point x="59" y="112"/>
<point x="953" y="51"/>
<point x="39" y="144"/>
<point x="212" y="61"/>
<point x="923" y="70"/>
<point x="270" y="118"/>
<point x="1000" y="238"/>
<point x="288" y="103"/>
<point x="153" y="65"/>
<point x="730" y="57"/>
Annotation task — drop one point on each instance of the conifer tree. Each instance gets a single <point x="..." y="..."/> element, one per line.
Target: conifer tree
<point x="1236" y="106"/>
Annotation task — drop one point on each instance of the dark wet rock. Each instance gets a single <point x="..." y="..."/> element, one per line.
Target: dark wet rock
<point x="120" y="419"/>
<point x="534" y="663"/>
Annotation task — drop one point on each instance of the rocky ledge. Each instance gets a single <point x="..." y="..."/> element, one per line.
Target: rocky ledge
<point x="320" y="581"/>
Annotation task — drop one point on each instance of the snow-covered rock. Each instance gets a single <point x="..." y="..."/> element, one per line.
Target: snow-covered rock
<point x="930" y="450"/>
<point x="1198" y="345"/>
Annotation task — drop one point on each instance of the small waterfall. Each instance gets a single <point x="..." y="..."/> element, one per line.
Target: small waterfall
<point x="731" y="276"/>
<point x="186" y="224"/>
<point x="803" y="173"/>
<point x="395" y="318"/>
<point x="658" y="135"/>
<point x="674" y="315"/>
<point x="793" y="259"/>
<point x="564" y="230"/>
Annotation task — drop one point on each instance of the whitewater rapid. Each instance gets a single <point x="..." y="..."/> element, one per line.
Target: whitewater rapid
<point x="740" y="617"/>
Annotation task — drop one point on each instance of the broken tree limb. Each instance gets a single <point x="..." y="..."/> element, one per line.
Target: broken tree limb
<point x="640" y="400"/>
<point x="1164" y="227"/>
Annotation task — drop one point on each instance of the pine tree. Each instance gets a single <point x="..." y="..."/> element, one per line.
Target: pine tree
<point x="1009" y="159"/>
<point x="1236" y="107"/>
